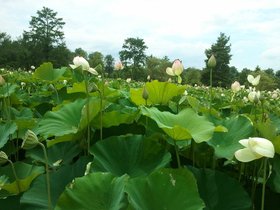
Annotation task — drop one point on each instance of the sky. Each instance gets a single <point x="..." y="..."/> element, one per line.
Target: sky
<point x="179" y="29"/>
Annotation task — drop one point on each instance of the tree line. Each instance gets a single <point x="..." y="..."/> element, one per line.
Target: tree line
<point x="44" y="41"/>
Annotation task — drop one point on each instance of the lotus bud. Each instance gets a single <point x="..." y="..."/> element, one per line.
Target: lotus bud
<point x="145" y="93"/>
<point x="3" y="157"/>
<point x="212" y="62"/>
<point x="30" y="140"/>
<point x="80" y="61"/>
<point x="32" y="67"/>
<point x="2" y="81"/>
<point x="235" y="87"/>
<point x="148" y="77"/>
<point x="128" y="80"/>
<point x="177" y="67"/>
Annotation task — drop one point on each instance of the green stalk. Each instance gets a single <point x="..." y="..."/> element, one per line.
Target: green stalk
<point x="177" y="154"/>
<point x="47" y="176"/>
<point x="264" y="182"/>
<point x="15" y="175"/>
<point x="101" y="115"/>
<point x="87" y="110"/>
<point x="211" y="84"/>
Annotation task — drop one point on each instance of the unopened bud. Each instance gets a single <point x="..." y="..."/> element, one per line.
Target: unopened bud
<point x="145" y="93"/>
<point x="30" y="140"/>
<point x="3" y="157"/>
<point x="212" y="62"/>
<point x="2" y="81"/>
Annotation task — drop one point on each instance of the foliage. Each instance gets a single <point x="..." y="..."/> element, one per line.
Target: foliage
<point x="105" y="139"/>
<point x="133" y="55"/>
<point x="221" y="72"/>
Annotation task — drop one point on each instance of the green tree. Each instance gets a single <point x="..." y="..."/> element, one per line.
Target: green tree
<point x="156" y="67"/>
<point x="96" y="58"/>
<point x="221" y="72"/>
<point x="44" y="35"/>
<point x="12" y="53"/>
<point x="109" y="64"/>
<point x="192" y="76"/>
<point x="81" y="52"/>
<point x="133" y="56"/>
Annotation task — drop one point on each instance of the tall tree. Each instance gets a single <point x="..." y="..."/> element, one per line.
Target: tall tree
<point x="45" y="34"/>
<point x="156" y="67"/>
<point x="96" y="58"/>
<point x="81" y="52"/>
<point x="109" y="64"/>
<point x="133" y="56"/>
<point x="221" y="72"/>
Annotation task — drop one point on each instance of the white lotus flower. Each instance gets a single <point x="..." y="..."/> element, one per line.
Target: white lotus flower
<point x="80" y="61"/>
<point x="255" y="148"/>
<point x="177" y="68"/>
<point x="235" y="87"/>
<point x="118" y="66"/>
<point x="254" y="96"/>
<point x="253" y="80"/>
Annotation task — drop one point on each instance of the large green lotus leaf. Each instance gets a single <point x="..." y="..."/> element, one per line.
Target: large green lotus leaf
<point x="7" y="90"/>
<point x="63" y="121"/>
<point x="219" y="191"/>
<point x="159" y="93"/>
<point x="131" y="154"/>
<point x="26" y="174"/>
<point x="115" y="115"/>
<point x="225" y="144"/>
<point x="59" y="154"/>
<point x="90" y="111"/>
<point x="167" y="189"/>
<point x="48" y="73"/>
<point x="36" y="197"/>
<point x="100" y="191"/>
<point x="77" y="88"/>
<point x="5" y="131"/>
<point x="186" y="124"/>
<point x="274" y="179"/>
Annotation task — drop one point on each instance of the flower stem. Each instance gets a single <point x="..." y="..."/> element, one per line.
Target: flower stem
<point x="101" y="115"/>
<point x="47" y="176"/>
<point x="177" y="154"/>
<point x="211" y="84"/>
<point x="15" y="175"/>
<point x="264" y="182"/>
<point x="87" y="112"/>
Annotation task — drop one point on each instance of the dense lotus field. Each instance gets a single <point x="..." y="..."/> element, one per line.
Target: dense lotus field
<point x="74" y="140"/>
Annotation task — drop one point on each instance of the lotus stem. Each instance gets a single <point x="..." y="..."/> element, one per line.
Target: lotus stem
<point x="211" y="84"/>
<point x="264" y="182"/>
<point x="47" y="176"/>
<point x="15" y="175"/>
<point x="87" y="113"/>
<point x="177" y="154"/>
<point x="101" y="115"/>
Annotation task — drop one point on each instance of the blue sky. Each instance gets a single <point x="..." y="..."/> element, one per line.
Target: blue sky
<point x="175" y="28"/>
